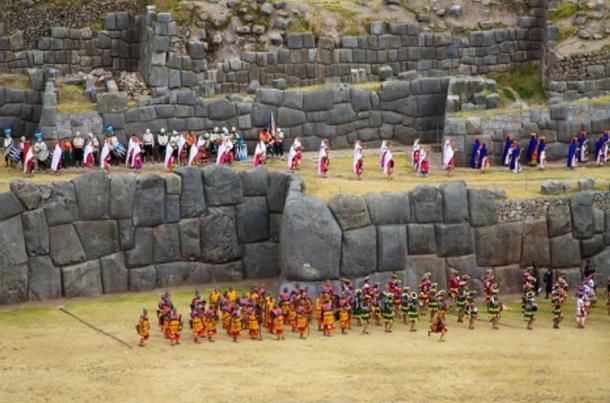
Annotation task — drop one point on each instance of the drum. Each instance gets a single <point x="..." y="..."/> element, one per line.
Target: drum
<point x="119" y="151"/>
<point x="13" y="153"/>
<point x="43" y="155"/>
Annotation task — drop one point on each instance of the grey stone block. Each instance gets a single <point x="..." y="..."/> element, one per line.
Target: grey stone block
<point x="500" y="244"/>
<point x="122" y="193"/>
<point x="252" y="220"/>
<point x="222" y="185"/>
<point x="82" y="280"/>
<point x="418" y="265"/>
<point x="10" y="205"/>
<point x="483" y="209"/>
<point x="455" y="202"/>
<point x="28" y="193"/>
<point x="278" y="188"/>
<point x="290" y="117"/>
<point x="261" y="260"/>
<point x="65" y="245"/>
<point x="559" y="219"/>
<point x="311" y="240"/>
<point x="142" y="278"/>
<point x="422" y="239"/>
<point x="192" y="199"/>
<point x="426" y="204"/>
<point x="454" y="240"/>
<point x="150" y="191"/>
<point x="166" y="243"/>
<point x="391" y="247"/>
<point x="218" y="233"/>
<point x="43" y="278"/>
<point x="582" y="215"/>
<point x="359" y="252"/>
<point x="92" y="191"/>
<point x="190" y="243"/>
<point x="115" y="277"/>
<point x="99" y="238"/>
<point x="535" y="243"/>
<point x="590" y="247"/>
<point x="565" y="251"/>
<point x="254" y="182"/>
<point x="389" y="208"/>
<point x="350" y="211"/>
<point x="35" y="232"/>
<point x="142" y="252"/>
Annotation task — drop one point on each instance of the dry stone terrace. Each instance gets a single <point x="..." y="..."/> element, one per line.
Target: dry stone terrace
<point x="99" y="234"/>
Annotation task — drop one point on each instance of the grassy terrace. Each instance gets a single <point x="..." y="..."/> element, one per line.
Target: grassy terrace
<point x="72" y="99"/>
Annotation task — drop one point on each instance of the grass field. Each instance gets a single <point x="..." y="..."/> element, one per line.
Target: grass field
<point x="341" y="180"/>
<point x="46" y="355"/>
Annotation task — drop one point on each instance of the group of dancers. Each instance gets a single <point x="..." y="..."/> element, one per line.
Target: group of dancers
<point x="258" y="311"/>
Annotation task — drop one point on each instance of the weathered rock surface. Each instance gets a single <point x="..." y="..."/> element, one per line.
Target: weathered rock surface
<point x="65" y="245"/>
<point x="499" y="245"/>
<point x="149" y="211"/>
<point x="36" y="232"/>
<point x="422" y="239"/>
<point x="261" y="260"/>
<point x="359" y="252"/>
<point x="559" y="218"/>
<point x="219" y="241"/>
<point x="82" y="280"/>
<point x="166" y="243"/>
<point x="535" y="243"/>
<point x="222" y="185"/>
<point x="418" y="265"/>
<point x="92" y="191"/>
<point x="391" y="247"/>
<point x="115" y="277"/>
<point x="350" y="211"/>
<point x="310" y="235"/>
<point x="483" y="208"/>
<point x="61" y="206"/>
<point x="142" y="252"/>
<point x="565" y="251"/>
<point x="455" y="202"/>
<point x="99" y="238"/>
<point x="142" y="278"/>
<point x="426" y="204"/>
<point x="454" y="240"/>
<point x="252" y="220"/>
<point x="388" y="208"/>
<point x="192" y="201"/>
<point x="582" y="215"/>
<point x="254" y="182"/>
<point x="44" y="279"/>
<point x="276" y="192"/>
<point x="122" y="194"/>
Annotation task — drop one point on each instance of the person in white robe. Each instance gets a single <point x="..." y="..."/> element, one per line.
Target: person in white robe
<point x="358" y="160"/>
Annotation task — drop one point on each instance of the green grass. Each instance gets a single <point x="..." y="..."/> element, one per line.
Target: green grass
<point x="299" y="24"/>
<point x="565" y="33"/>
<point x="565" y="11"/>
<point x="339" y="9"/>
<point x="527" y="82"/>
<point x="72" y="99"/>
<point x="508" y="94"/>
<point x="15" y="81"/>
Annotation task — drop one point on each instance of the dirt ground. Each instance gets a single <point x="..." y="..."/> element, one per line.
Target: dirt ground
<point x="340" y="178"/>
<point x="47" y="356"/>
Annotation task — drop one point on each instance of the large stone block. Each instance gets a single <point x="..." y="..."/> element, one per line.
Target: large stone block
<point x="254" y="182"/>
<point x="122" y="194"/>
<point x="149" y="210"/>
<point x="35" y="232"/>
<point x="322" y="100"/>
<point x="190" y="242"/>
<point x="288" y="117"/>
<point x="535" y="243"/>
<point x="92" y="191"/>
<point x="509" y="278"/>
<point x="228" y="272"/>
<point x="359" y="252"/>
<point x="391" y="247"/>
<point x="125" y="234"/>
<point x="222" y="185"/>
<point x="600" y="263"/>
<point x="483" y="209"/>
<point x="388" y="208"/>
<point x="28" y="193"/>
<point x="112" y="102"/>
<point x="261" y="260"/>
<point x="10" y="205"/>
<point x="142" y="252"/>
<point x="218" y="233"/>
<point x="44" y="279"/>
<point x="582" y="215"/>
<point x="65" y="245"/>
<point x="166" y="243"/>
<point x="192" y="199"/>
<point x="173" y="274"/>
<point x="592" y="246"/>
<point x="559" y="219"/>
<point x="99" y="238"/>
<point x="115" y="277"/>
<point x="598" y="220"/>
<point x="350" y="211"/>
<point x="61" y="206"/>
<point x="418" y="265"/>
<point x="565" y="251"/>
<point x="82" y="280"/>
<point x="142" y="278"/>
<point x="455" y="202"/>
<point x="454" y="240"/>
<point x="310" y="246"/>
<point x="422" y="239"/>
<point x="13" y="282"/>
<point x="426" y="204"/>
<point x="276" y="193"/>
<point x="252" y="220"/>
<point x="499" y="245"/>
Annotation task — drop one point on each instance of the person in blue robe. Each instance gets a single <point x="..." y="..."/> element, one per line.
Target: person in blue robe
<point x="515" y="165"/>
<point x="474" y="160"/>
<point x="507" y="144"/>
<point x="582" y="147"/>
<point x="571" y="163"/>
<point x="531" y="147"/>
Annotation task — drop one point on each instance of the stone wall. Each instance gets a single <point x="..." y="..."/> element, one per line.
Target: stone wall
<point x="575" y="76"/>
<point x="99" y="234"/>
<point x="20" y="109"/>
<point x="106" y="234"/>
<point x="558" y="123"/>
<point x="71" y="50"/>
<point x="431" y="229"/>
<point x="400" y="110"/>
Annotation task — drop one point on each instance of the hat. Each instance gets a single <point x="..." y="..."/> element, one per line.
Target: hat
<point x="147" y="131"/>
<point x="215" y="128"/>
<point x="162" y="130"/>
<point x="7" y="132"/>
<point x="233" y="129"/>
<point x="394" y="275"/>
<point x="38" y="135"/>
<point x="530" y="294"/>
<point x="109" y="129"/>
<point x="174" y="132"/>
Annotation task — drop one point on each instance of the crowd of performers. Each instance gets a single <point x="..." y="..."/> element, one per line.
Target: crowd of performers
<point x="227" y="146"/>
<point x="258" y="312"/>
